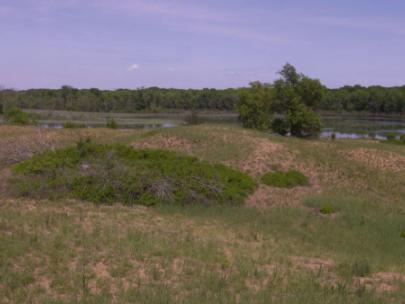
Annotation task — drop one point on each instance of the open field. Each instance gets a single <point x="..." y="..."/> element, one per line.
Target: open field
<point x="277" y="248"/>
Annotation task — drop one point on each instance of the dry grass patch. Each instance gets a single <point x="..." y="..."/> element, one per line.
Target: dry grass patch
<point x="382" y="160"/>
<point x="171" y="143"/>
<point x="382" y="282"/>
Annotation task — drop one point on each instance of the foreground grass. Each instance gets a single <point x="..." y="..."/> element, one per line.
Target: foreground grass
<point x="75" y="252"/>
<point x="63" y="251"/>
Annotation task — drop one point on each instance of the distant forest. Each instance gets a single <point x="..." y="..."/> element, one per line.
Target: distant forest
<point x="373" y="99"/>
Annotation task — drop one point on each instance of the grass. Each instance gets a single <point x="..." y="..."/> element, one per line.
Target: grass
<point x="118" y="173"/>
<point x="57" y="250"/>
<point x="289" y="179"/>
<point x="67" y="251"/>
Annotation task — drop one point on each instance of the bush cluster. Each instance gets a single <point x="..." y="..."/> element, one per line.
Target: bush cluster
<point x="118" y="173"/>
<point x="17" y="116"/>
<point x="391" y="138"/>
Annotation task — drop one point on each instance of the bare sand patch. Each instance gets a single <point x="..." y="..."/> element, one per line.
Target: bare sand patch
<point x="312" y="263"/>
<point x="382" y="282"/>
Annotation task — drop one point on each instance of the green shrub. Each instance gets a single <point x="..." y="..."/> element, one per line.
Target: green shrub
<point x="118" y="173"/>
<point x="304" y="122"/>
<point x="254" y="107"/>
<point x="288" y="179"/>
<point x="391" y="136"/>
<point x="112" y="124"/>
<point x="360" y="268"/>
<point x="280" y="126"/>
<point x="16" y="116"/>
<point x="72" y="125"/>
<point x="333" y="136"/>
<point x="326" y="206"/>
<point x="402" y="234"/>
<point x="327" y="209"/>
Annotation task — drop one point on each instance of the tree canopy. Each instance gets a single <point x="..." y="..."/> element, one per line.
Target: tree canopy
<point x="293" y="96"/>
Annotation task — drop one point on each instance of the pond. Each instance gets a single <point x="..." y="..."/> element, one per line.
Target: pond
<point x="362" y="126"/>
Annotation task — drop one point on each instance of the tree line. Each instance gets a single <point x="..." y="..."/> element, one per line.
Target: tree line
<point x="375" y="99"/>
<point x="121" y="100"/>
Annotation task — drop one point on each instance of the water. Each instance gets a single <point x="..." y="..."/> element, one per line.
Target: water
<point x="362" y="126"/>
<point x="350" y="126"/>
<point x="59" y="125"/>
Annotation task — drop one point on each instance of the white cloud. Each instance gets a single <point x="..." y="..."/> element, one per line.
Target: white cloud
<point x="133" y="67"/>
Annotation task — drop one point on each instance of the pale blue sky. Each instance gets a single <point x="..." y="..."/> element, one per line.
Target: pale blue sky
<point x="194" y="44"/>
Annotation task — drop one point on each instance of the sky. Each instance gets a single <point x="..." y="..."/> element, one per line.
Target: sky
<point x="113" y="44"/>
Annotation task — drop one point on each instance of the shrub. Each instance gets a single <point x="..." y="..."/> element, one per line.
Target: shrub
<point x="360" y="268"/>
<point x="16" y="116"/>
<point x="72" y="125"/>
<point x="391" y="136"/>
<point x="112" y="124"/>
<point x="325" y="205"/>
<point x="304" y="122"/>
<point x="254" y="107"/>
<point x="333" y="136"/>
<point x="288" y="179"/>
<point x="118" y="173"/>
<point x="280" y="126"/>
<point x="327" y="209"/>
<point x="402" y="138"/>
<point x="402" y="234"/>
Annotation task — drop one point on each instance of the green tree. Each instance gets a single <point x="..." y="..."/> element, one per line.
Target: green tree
<point x="303" y="121"/>
<point x="255" y="106"/>
<point x="296" y="95"/>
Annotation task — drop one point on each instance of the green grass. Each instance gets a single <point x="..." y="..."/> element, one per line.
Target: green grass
<point x="289" y="179"/>
<point x="118" y="173"/>
<point x="169" y="255"/>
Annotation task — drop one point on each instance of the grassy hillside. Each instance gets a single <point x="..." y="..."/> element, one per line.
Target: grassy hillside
<point x="338" y="239"/>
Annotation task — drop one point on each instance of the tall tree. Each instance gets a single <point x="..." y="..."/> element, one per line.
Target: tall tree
<point x="296" y="95"/>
